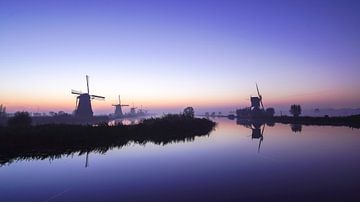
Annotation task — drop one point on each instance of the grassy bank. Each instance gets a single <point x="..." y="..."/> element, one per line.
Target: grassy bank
<point x="52" y="141"/>
<point x="349" y="121"/>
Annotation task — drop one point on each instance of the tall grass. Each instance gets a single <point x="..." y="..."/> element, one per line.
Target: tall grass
<point x="53" y="141"/>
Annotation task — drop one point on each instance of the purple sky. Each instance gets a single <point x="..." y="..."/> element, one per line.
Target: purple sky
<point x="170" y="54"/>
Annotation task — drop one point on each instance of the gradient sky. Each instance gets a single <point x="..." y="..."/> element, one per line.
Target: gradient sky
<point x="166" y="55"/>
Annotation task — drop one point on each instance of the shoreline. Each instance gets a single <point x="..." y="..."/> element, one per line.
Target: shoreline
<point x="346" y="121"/>
<point x="55" y="140"/>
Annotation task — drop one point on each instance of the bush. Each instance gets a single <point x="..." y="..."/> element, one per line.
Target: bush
<point x="20" y="119"/>
<point x="189" y="112"/>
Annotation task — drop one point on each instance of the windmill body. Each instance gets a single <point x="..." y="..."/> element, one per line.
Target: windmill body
<point x="83" y="107"/>
<point x="133" y="111"/>
<point x="255" y="102"/>
<point x="118" y="111"/>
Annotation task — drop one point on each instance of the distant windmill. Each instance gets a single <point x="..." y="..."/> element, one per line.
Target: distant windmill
<point x="133" y="110"/>
<point x="118" y="110"/>
<point x="83" y="102"/>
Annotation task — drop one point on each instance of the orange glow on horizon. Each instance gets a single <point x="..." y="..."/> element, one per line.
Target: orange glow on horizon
<point x="66" y="102"/>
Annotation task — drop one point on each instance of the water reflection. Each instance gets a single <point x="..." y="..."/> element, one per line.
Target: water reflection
<point x="87" y="160"/>
<point x="321" y="164"/>
<point x="49" y="150"/>
<point x="258" y="128"/>
<point x="296" y="128"/>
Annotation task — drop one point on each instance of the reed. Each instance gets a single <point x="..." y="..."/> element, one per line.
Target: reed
<point x="55" y="140"/>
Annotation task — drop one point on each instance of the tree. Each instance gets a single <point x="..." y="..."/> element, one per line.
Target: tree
<point x="20" y="119"/>
<point x="295" y="110"/>
<point x="2" y="115"/>
<point x="189" y="112"/>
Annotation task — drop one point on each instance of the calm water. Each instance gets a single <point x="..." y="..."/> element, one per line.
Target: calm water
<point x="318" y="163"/>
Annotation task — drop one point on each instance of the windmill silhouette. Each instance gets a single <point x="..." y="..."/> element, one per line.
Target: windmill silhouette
<point x="257" y="101"/>
<point x="118" y="111"/>
<point x="133" y="110"/>
<point x="83" y="102"/>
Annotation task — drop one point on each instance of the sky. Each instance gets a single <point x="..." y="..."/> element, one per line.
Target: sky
<point x="166" y="55"/>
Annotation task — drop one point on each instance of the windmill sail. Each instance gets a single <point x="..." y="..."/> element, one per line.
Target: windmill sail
<point x="260" y="97"/>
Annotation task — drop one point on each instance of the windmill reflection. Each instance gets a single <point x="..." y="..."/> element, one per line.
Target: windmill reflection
<point x="256" y="127"/>
<point x="257" y="133"/>
<point x="87" y="160"/>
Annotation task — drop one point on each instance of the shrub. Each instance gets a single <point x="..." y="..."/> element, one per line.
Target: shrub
<point x="20" y="119"/>
<point x="189" y="112"/>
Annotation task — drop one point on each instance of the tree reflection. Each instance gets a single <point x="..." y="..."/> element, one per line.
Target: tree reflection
<point x="57" y="141"/>
<point x="296" y="128"/>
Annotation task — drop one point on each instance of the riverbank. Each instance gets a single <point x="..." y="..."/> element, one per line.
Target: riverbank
<point x="348" y="121"/>
<point x="52" y="141"/>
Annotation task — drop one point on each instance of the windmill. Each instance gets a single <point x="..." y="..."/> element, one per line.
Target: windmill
<point x="83" y="102"/>
<point x="133" y="110"/>
<point x="256" y="102"/>
<point x="257" y="109"/>
<point x="118" y="110"/>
